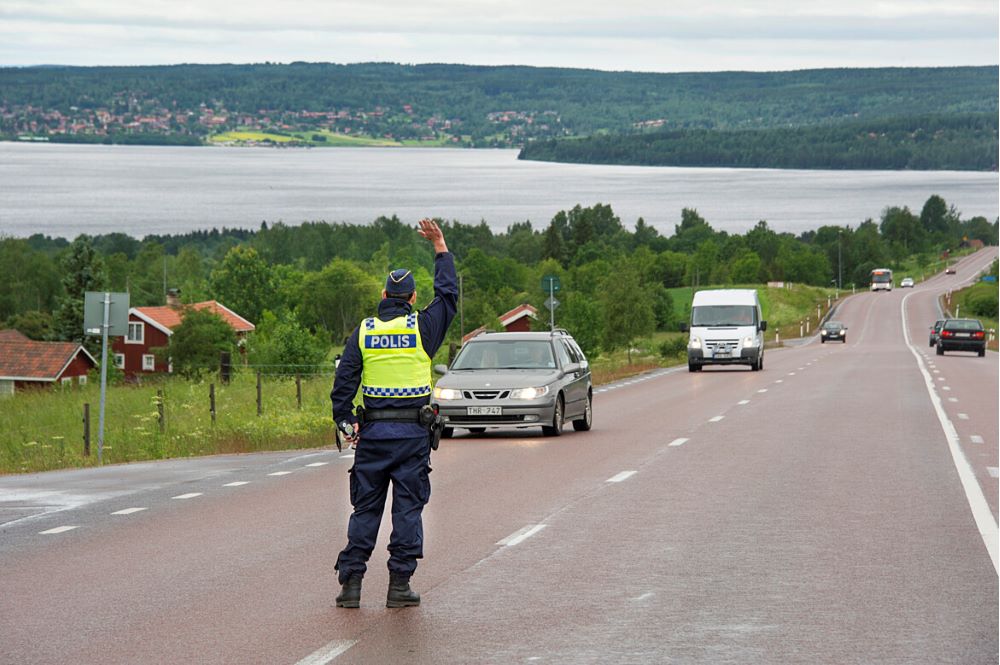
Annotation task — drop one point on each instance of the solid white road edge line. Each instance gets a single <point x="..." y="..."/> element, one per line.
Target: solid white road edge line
<point x="617" y="478"/>
<point x="678" y="442"/>
<point x="521" y="535"/>
<point x="325" y="654"/>
<point x="981" y="512"/>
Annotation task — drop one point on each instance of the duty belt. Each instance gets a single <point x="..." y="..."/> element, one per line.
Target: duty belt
<point x="389" y="415"/>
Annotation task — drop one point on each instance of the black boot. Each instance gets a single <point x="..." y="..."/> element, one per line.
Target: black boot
<point x="400" y="594"/>
<point x="350" y="593"/>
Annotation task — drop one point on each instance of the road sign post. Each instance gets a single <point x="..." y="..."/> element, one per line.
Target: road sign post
<point x="550" y="284"/>
<point x="104" y="314"/>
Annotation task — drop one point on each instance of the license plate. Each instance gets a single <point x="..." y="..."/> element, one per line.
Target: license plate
<point x="961" y="334"/>
<point x="722" y="354"/>
<point x="485" y="411"/>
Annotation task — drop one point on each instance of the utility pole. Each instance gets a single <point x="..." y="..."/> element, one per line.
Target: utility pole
<point x="461" y="309"/>
<point x="840" y="272"/>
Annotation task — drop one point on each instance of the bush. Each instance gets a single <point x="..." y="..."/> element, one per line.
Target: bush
<point x="673" y="346"/>
<point x="984" y="304"/>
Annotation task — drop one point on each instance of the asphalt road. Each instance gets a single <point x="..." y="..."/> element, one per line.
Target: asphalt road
<point x="835" y="508"/>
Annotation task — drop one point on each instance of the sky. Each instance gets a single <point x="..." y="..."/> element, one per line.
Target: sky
<point x="634" y="35"/>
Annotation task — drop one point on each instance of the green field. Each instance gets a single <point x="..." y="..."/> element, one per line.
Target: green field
<point x="308" y="138"/>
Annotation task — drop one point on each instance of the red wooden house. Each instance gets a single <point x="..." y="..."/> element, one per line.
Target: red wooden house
<point x="26" y="363"/>
<point x="151" y="327"/>
<point x="516" y="320"/>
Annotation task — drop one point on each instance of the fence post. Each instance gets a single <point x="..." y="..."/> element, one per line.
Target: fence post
<point x="259" y="406"/>
<point x="159" y="409"/>
<point x="211" y="401"/>
<point x="86" y="429"/>
<point x="225" y="367"/>
<point x="298" y="390"/>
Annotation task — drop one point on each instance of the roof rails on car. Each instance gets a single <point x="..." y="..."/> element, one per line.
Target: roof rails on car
<point x="558" y="331"/>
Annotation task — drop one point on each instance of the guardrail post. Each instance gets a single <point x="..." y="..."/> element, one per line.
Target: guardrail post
<point x="211" y="401"/>
<point x="86" y="427"/>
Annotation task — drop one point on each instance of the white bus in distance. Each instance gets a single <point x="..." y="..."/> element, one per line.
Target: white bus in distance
<point x="881" y="279"/>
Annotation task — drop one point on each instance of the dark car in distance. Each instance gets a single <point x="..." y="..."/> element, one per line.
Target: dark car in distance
<point x="833" y="331"/>
<point x="962" y="335"/>
<point x="936" y="330"/>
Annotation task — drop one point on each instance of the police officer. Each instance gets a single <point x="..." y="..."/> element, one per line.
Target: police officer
<point x="389" y="355"/>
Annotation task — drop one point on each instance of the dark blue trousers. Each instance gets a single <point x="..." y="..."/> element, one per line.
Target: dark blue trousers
<point x="405" y="463"/>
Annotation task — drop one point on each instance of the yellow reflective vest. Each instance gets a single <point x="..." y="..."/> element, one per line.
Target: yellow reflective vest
<point x="394" y="363"/>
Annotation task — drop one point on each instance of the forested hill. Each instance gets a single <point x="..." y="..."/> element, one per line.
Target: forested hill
<point x="958" y="142"/>
<point x="318" y="103"/>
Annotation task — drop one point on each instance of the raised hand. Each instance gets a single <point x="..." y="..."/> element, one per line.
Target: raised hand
<point x="429" y="229"/>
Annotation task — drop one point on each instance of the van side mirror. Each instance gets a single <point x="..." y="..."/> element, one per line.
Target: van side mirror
<point x="441" y="369"/>
<point x="763" y="326"/>
<point x="684" y="327"/>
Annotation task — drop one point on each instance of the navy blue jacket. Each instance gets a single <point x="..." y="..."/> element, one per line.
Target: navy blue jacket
<point x="433" y="322"/>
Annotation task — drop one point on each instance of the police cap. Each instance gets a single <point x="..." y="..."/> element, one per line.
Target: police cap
<point x="400" y="283"/>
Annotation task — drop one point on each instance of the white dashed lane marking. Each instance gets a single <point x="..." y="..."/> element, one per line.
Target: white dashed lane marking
<point x="624" y="475"/>
<point x="279" y="473"/>
<point x="58" y="529"/>
<point x="678" y="442"/>
<point x="128" y="511"/>
<point x="327" y="653"/>
<point x="945" y="388"/>
<point x="318" y="464"/>
<point x="715" y="419"/>
<point x="963" y="416"/>
<point x="762" y="390"/>
<point x="952" y="399"/>
<point x="993" y="471"/>
<point x="975" y="438"/>
<point x="237" y="483"/>
<point x="187" y="496"/>
<point x="780" y="381"/>
<point x="743" y="401"/>
<point x="521" y="535"/>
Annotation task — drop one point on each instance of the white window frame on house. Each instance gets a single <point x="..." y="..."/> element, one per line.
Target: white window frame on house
<point x="148" y="362"/>
<point x="120" y="360"/>
<point x="81" y="380"/>
<point x="129" y="339"/>
<point x="67" y="380"/>
<point x="6" y="386"/>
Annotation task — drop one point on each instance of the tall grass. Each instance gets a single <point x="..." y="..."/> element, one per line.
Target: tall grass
<point x="43" y="429"/>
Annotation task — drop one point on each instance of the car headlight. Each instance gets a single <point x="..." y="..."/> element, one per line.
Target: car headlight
<point x="748" y="342"/>
<point x="694" y="343"/>
<point x="529" y="393"/>
<point x="447" y="393"/>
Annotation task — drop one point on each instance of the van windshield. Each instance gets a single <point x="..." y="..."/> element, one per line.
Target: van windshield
<point x="723" y="315"/>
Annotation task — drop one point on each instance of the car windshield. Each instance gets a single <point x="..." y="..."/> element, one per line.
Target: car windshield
<point x="962" y="324"/>
<point x="881" y="277"/>
<point x="723" y="315"/>
<point x="833" y="326"/>
<point x="506" y="354"/>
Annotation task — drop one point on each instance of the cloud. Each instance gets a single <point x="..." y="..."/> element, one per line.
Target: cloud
<point x="640" y="35"/>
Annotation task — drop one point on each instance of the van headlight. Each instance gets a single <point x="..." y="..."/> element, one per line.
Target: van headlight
<point x="447" y="393"/>
<point x="695" y="343"/>
<point x="529" y="393"/>
<point x="748" y="342"/>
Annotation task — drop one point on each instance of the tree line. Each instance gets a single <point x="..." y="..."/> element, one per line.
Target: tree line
<point x="933" y="142"/>
<point x="307" y="286"/>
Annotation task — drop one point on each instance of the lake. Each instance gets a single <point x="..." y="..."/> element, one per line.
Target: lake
<point x="66" y="190"/>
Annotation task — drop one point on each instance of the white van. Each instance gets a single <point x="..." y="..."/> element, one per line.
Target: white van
<point x="726" y="329"/>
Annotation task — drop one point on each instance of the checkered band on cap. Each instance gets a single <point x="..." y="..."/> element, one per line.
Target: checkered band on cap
<point x="396" y="392"/>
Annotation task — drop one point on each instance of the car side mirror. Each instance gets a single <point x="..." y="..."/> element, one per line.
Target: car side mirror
<point x="441" y="369"/>
<point x="571" y="367"/>
<point x="684" y="327"/>
<point x="763" y="326"/>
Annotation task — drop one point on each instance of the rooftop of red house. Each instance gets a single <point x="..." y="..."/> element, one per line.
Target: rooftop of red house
<point x="167" y="318"/>
<point x="29" y="360"/>
<point x="518" y="312"/>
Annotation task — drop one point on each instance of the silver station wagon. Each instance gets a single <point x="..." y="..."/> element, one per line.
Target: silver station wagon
<point x="505" y="380"/>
